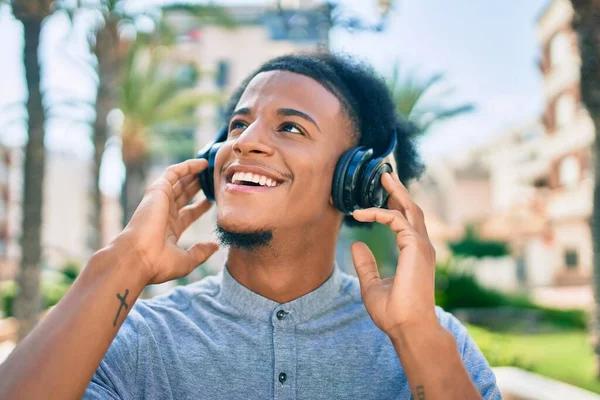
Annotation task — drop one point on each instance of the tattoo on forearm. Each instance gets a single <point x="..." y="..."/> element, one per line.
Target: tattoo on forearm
<point x="123" y="304"/>
<point x="421" y="392"/>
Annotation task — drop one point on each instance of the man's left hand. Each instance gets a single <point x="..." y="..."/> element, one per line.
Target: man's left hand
<point x="407" y="299"/>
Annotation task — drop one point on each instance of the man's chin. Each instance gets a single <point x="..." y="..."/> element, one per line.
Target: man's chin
<point x="243" y="237"/>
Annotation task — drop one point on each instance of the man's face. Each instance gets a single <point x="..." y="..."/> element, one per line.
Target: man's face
<point x="287" y="133"/>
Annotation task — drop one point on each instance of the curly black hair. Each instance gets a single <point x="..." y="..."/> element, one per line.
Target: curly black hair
<point x="364" y="97"/>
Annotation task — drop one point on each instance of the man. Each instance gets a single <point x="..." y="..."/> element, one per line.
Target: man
<point x="281" y="321"/>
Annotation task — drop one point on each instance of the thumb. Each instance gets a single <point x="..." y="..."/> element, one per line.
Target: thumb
<point x="200" y="252"/>
<point x="365" y="265"/>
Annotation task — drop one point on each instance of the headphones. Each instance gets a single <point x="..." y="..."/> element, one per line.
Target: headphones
<point x="356" y="180"/>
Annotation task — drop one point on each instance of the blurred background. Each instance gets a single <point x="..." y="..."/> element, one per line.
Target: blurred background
<point x="97" y="97"/>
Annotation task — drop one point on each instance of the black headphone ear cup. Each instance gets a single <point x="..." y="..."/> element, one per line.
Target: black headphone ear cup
<point x="337" y="188"/>
<point x="206" y="177"/>
<point x="346" y="178"/>
<point x="372" y="192"/>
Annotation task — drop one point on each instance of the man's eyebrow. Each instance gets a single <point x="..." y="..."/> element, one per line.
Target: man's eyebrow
<point x="241" y="111"/>
<point x="287" y="112"/>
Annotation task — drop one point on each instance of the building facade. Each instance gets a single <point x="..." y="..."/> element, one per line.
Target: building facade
<point x="540" y="179"/>
<point x="566" y="147"/>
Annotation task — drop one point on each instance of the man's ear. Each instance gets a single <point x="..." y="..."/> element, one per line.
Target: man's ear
<point x="330" y="200"/>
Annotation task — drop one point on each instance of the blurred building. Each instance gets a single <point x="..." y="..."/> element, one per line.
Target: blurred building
<point x="539" y="187"/>
<point x="566" y="147"/>
<point x="225" y="55"/>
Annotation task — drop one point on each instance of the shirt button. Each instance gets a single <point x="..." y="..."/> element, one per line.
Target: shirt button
<point x="282" y="377"/>
<point x="281" y="315"/>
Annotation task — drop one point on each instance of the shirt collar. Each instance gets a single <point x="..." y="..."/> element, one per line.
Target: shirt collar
<point x="295" y="311"/>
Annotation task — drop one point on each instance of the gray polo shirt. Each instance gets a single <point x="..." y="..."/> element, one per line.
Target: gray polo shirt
<point x="215" y="339"/>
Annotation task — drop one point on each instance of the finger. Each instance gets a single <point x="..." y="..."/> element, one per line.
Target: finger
<point x="401" y="200"/>
<point x="181" y="184"/>
<point x="199" y="253"/>
<point x="365" y="265"/>
<point x="392" y="218"/>
<point x="191" y="213"/>
<point x="188" y="194"/>
<point x="190" y="167"/>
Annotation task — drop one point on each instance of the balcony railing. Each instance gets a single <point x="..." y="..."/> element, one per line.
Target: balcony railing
<point x="572" y="202"/>
<point x="577" y="134"/>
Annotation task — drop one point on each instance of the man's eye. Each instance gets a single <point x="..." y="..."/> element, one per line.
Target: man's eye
<point x="236" y="125"/>
<point x="291" y="128"/>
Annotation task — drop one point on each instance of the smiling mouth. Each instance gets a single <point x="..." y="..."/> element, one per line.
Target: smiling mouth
<point x="251" y="179"/>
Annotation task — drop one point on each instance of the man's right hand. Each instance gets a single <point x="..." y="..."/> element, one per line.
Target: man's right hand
<point x="160" y="219"/>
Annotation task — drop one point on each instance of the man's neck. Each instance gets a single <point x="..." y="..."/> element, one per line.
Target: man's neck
<point x="285" y="270"/>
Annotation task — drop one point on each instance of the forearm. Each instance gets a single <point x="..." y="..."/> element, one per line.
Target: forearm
<point x="60" y="356"/>
<point x="430" y="358"/>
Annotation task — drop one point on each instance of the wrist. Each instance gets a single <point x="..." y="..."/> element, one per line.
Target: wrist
<point x="124" y="258"/>
<point x="419" y="329"/>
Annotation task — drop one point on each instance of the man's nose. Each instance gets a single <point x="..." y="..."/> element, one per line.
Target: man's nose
<point x="255" y="139"/>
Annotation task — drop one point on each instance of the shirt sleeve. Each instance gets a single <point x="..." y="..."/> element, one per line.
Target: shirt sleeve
<point x="115" y="377"/>
<point x="473" y="360"/>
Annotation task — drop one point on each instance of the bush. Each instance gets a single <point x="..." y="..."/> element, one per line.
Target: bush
<point x="70" y="271"/>
<point x="51" y="293"/>
<point x="473" y="246"/>
<point x="8" y="292"/>
<point x="460" y="290"/>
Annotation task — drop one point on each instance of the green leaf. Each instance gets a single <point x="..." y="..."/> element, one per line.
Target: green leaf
<point x="414" y="100"/>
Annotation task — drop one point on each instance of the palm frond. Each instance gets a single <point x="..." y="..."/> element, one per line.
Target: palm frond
<point x="416" y="100"/>
<point x="182" y="104"/>
<point x="155" y="100"/>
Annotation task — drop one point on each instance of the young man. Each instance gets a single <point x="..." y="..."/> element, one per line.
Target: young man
<point x="281" y="321"/>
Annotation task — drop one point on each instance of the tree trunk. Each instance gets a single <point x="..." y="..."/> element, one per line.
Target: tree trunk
<point x="595" y="227"/>
<point x="28" y="303"/>
<point x="133" y="189"/>
<point x="587" y="25"/>
<point x="106" y="51"/>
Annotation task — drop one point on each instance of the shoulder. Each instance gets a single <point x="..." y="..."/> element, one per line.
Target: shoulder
<point x="472" y="358"/>
<point x="452" y="324"/>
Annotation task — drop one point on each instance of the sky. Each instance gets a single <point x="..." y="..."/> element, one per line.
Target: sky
<point x="487" y="50"/>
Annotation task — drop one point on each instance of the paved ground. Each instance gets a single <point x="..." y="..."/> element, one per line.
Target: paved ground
<point x="565" y="297"/>
<point x="517" y="384"/>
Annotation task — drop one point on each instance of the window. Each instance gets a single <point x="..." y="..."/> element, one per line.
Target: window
<point x="559" y="48"/>
<point x="571" y="258"/>
<point x="564" y="110"/>
<point x="569" y="172"/>
<point x="222" y="77"/>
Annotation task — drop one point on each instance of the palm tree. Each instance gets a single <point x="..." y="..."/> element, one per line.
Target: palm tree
<point x="31" y="13"/>
<point x="415" y="100"/>
<point x="587" y="25"/>
<point x="111" y="54"/>
<point x="156" y="98"/>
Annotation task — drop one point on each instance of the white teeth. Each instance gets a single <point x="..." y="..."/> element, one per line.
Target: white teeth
<point x="250" y="177"/>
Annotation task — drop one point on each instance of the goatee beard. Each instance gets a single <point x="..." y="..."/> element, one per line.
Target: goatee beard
<point x="244" y="240"/>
